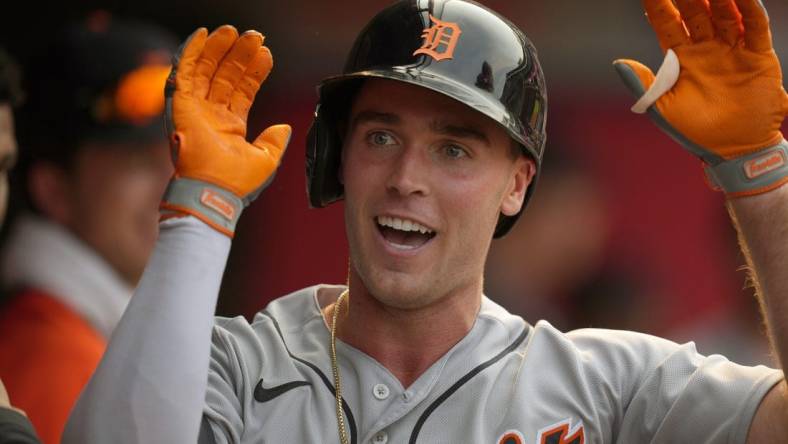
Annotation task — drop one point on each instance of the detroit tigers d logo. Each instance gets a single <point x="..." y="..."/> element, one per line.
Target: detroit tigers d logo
<point x="440" y="39"/>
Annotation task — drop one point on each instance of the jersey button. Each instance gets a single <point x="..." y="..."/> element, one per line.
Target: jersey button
<point x="381" y="438"/>
<point x="381" y="391"/>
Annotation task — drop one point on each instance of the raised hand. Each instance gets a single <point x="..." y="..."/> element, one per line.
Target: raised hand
<point x="720" y="91"/>
<point x="212" y="86"/>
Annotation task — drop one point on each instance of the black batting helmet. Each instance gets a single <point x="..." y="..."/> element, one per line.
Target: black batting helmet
<point x="455" y="47"/>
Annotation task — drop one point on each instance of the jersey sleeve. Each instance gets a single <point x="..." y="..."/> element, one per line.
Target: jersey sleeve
<point x="664" y="392"/>
<point x="151" y="383"/>
<point x="223" y="415"/>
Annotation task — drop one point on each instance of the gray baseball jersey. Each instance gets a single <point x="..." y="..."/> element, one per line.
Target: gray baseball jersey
<point x="269" y="382"/>
<point x="506" y="382"/>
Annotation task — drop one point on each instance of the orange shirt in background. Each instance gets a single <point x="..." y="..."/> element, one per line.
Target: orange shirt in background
<point x="47" y="354"/>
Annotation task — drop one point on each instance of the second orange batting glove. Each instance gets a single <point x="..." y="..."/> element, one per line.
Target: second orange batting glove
<point x="719" y="92"/>
<point x="213" y="83"/>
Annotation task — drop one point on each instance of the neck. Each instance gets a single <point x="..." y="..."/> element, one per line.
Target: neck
<point x="405" y="341"/>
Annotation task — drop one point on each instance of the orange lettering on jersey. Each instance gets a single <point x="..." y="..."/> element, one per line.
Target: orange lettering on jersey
<point x="218" y="203"/>
<point x="511" y="437"/>
<point x="560" y="433"/>
<point x="764" y="164"/>
<point x="440" y="39"/>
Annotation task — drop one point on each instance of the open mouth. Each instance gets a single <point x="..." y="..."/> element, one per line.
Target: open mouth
<point x="404" y="234"/>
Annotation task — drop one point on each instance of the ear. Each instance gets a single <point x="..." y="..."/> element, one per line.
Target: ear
<point x="519" y="180"/>
<point x="50" y="191"/>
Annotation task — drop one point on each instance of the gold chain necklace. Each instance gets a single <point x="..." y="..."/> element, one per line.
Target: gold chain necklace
<point x="335" y="368"/>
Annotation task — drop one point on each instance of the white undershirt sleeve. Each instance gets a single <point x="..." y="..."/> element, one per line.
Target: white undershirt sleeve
<point x="151" y="383"/>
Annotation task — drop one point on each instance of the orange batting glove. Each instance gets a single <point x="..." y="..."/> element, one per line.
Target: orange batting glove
<point x="212" y="85"/>
<point x="719" y="92"/>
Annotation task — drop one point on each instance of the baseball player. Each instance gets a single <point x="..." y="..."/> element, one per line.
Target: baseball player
<point x="433" y="136"/>
<point x="84" y="214"/>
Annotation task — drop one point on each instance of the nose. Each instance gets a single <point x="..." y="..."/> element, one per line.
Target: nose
<point x="409" y="174"/>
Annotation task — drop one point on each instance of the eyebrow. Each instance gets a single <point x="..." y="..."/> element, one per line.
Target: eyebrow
<point x="375" y="117"/>
<point x="458" y="131"/>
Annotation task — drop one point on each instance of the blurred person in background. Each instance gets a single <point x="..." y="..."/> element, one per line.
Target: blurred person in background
<point x="85" y="207"/>
<point x="556" y="248"/>
<point x="532" y="274"/>
<point x="15" y="428"/>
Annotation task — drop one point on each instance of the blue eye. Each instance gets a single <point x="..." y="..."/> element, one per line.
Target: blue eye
<point x="381" y="138"/>
<point x="455" y="152"/>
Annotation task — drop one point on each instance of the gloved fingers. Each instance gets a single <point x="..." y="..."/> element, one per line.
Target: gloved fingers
<point x="697" y="19"/>
<point x="757" y="36"/>
<point x="184" y="61"/>
<point x="667" y="24"/>
<point x="727" y="21"/>
<point x="273" y="141"/>
<point x="636" y="76"/>
<point x="255" y="75"/>
<point x="233" y="66"/>
<point x="217" y="45"/>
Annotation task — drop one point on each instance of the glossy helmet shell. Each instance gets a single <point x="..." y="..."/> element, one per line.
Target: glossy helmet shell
<point x="492" y="68"/>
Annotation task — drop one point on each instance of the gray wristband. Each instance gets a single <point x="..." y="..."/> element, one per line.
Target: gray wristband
<point x="219" y="206"/>
<point x="751" y="173"/>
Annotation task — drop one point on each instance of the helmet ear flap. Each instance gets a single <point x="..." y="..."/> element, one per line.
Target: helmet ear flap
<point x="322" y="162"/>
<point x="324" y="142"/>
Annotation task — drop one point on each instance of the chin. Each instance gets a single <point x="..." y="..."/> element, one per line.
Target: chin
<point x="399" y="290"/>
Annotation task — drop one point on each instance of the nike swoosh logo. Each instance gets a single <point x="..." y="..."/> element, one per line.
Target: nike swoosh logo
<point x="262" y="394"/>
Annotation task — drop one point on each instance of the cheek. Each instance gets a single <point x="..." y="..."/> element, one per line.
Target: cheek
<point x="471" y="197"/>
<point x="106" y="205"/>
<point x="354" y="204"/>
<point x="359" y="177"/>
<point x="119" y="198"/>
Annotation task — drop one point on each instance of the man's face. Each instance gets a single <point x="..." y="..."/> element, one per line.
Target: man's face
<point x="425" y="180"/>
<point x="112" y="196"/>
<point x="7" y="154"/>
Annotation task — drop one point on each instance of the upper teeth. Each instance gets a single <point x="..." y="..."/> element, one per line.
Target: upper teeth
<point x="403" y="224"/>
